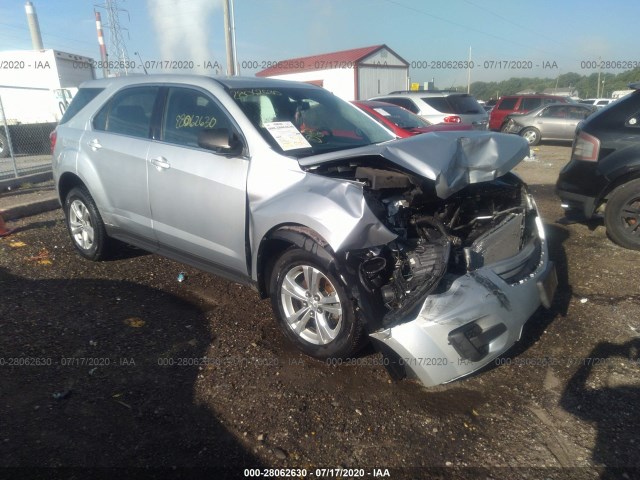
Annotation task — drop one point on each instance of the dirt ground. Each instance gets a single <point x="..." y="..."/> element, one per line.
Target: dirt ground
<point x="100" y="374"/>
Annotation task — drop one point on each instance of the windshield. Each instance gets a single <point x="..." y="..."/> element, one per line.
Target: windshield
<point x="307" y="121"/>
<point x="401" y="117"/>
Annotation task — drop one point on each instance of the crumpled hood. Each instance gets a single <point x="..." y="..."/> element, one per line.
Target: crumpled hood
<point x="452" y="159"/>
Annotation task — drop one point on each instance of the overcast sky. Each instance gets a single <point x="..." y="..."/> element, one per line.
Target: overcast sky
<point x="561" y="35"/>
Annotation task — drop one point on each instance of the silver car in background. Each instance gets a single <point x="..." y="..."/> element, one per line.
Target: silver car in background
<point x="441" y="107"/>
<point x="428" y="245"/>
<point x="557" y="121"/>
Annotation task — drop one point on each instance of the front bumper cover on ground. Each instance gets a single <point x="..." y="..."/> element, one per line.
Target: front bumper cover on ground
<point x="476" y="320"/>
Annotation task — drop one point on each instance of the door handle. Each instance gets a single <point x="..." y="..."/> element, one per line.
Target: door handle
<point x="95" y="144"/>
<point x="160" y="163"/>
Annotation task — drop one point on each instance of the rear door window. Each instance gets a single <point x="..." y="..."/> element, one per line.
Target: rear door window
<point x="530" y="103"/>
<point x="128" y="112"/>
<point x="507" y="104"/>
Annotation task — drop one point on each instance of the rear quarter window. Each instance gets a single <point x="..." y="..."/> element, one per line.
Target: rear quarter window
<point x="82" y="98"/>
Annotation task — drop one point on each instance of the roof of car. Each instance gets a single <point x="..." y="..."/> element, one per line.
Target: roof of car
<point x="422" y="93"/>
<point x="374" y="103"/>
<point x="518" y="95"/>
<point x="635" y="85"/>
<point x="228" y="82"/>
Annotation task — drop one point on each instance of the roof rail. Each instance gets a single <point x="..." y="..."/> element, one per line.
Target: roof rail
<point x="422" y="91"/>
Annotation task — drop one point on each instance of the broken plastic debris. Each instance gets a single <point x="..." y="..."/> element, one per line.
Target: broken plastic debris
<point x="17" y="244"/>
<point x="181" y="277"/>
<point x="135" y="322"/>
<point x="584" y="300"/>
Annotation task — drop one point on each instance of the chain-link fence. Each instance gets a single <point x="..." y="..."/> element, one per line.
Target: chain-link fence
<point x="25" y="125"/>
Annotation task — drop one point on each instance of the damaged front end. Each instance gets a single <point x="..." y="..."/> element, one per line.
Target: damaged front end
<point x="467" y="269"/>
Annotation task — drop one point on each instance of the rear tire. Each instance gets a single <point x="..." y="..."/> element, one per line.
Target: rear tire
<point x="622" y="215"/>
<point x="85" y="225"/>
<point x="312" y="306"/>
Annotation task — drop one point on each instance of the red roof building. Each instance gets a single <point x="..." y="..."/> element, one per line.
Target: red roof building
<point x="355" y="74"/>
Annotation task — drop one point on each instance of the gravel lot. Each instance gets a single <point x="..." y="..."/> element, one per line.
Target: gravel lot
<point x="99" y="369"/>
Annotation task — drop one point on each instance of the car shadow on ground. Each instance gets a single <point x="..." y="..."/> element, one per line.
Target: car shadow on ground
<point x="613" y="409"/>
<point x="99" y="380"/>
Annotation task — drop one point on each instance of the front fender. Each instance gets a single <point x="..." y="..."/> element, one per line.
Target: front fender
<point x="335" y="209"/>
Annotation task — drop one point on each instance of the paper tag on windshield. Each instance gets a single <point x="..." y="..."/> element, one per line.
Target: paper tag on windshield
<point x="287" y="135"/>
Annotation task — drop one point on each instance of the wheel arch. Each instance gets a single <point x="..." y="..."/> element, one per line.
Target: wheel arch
<point x="619" y="177"/>
<point x="66" y="183"/>
<point x="279" y="239"/>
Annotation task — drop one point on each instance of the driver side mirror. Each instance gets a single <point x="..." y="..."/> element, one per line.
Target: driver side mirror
<point x="219" y="140"/>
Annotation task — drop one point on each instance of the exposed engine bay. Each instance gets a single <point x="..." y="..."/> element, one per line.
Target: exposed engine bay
<point x="437" y="239"/>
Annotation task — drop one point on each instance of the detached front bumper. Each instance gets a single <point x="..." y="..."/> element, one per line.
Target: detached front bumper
<point x="476" y="320"/>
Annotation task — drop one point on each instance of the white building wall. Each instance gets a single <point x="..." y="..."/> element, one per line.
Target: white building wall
<point x="380" y="81"/>
<point x="339" y="81"/>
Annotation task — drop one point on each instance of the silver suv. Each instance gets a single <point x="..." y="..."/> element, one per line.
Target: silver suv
<point x="427" y="245"/>
<point x="441" y="107"/>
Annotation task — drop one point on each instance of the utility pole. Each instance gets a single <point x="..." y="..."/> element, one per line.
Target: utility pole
<point x="230" y="37"/>
<point x="469" y="72"/>
<point x="598" y="92"/>
<point x="118" y="55"/>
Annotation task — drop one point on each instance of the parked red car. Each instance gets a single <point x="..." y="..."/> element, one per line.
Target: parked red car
<point x="401" y="121"/>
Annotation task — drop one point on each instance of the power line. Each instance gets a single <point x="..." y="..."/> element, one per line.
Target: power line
<point x="523" y="27"/>
<point x="467" y="27"/>
<point x="48" y="34"/>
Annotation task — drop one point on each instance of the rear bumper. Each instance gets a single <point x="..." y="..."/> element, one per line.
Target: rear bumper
<point x="580" y="187"/>
<point x="576" y="206"/>
<point x="476" y="320"/>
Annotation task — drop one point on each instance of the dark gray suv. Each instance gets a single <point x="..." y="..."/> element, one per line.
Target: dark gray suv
<point x="604" y="170"/>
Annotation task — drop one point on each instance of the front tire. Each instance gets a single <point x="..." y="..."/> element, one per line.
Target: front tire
<point x="312" y="306"/>
<point x="531" y="135"/>
<point x="622" y="215"/>
<point x="85" y="224"/>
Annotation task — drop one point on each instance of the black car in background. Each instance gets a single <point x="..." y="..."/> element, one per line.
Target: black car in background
<point x="605" y="170"/>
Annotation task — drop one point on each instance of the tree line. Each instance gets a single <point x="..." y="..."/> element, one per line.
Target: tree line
<point x="585" y="85"/>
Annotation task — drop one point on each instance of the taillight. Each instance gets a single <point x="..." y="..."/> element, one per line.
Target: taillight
<point x="53" y="136"/>
<point x="452" y="119"/>
<point x="586" y="147"/>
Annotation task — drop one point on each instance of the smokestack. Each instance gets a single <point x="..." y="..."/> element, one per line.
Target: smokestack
<point x="34" y="28"/>
<point x="103" y="48"/>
